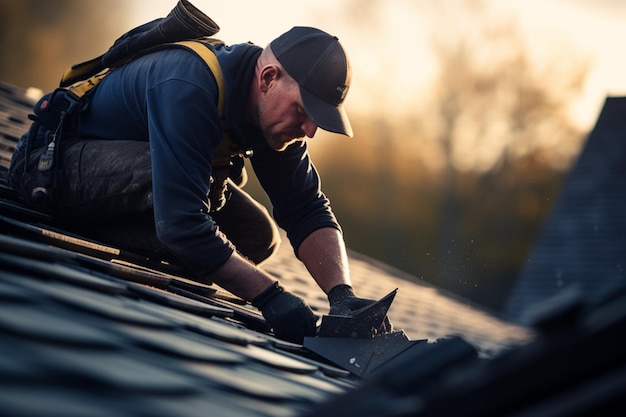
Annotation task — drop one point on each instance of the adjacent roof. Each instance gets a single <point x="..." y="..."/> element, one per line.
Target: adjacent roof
<point x="583" y="244"/>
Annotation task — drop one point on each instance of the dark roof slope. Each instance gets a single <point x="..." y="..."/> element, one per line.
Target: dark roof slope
<point x="88" y="329"/>
<point x="583" y="243"/>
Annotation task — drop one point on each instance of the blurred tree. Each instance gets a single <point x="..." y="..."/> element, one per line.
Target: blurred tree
<point x="491" y="107"/>
<point x="449" y="181"/>
<point x="499" y="123"/>
<point x="39" y="39"/>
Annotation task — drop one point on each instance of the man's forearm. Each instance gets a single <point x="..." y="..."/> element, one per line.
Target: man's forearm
<point x="323" y="253"/>
<point x="241" y="277"/>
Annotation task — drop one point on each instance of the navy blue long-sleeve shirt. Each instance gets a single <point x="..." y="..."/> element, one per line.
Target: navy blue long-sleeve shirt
<point x="169" y="98"/>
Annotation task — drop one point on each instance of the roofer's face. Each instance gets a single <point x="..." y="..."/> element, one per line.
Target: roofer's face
<point x="281" y="116"/>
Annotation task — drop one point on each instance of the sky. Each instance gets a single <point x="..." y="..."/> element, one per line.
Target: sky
<point x="397" y="44"/>
<point x="596" y="28"/>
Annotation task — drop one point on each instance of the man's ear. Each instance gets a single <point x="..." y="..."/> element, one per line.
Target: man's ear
<point x="269" y="74"/>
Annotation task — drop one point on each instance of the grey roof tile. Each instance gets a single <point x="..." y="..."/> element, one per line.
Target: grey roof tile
<point x="47" y="324"/>
<point x="61" y="401"/>
<point x="181" y="344"/>
<point x="165" y="298"/>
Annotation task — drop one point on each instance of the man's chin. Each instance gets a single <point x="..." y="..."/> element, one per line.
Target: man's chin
<point x="280" y="145"/>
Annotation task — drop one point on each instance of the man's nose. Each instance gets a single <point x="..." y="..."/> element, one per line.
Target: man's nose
<point x="309" y="128"/>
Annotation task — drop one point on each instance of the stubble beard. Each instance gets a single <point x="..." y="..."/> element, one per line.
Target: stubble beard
<point x="277" y="141"/>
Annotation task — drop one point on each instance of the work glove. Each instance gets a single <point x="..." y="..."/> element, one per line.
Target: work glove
<point x="287" y="314"/>
<point x="343" y="302"/>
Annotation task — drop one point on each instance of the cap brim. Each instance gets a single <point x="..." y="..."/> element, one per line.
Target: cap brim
<point x="325" y="115"/>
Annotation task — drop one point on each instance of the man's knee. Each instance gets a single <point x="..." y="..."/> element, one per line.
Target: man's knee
<point x="248" y="225"/>
<point x="266" y="247"/>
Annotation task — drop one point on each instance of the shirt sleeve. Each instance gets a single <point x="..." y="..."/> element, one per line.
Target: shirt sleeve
<point x="184" y="126"/>
<point x="293" y="185"/>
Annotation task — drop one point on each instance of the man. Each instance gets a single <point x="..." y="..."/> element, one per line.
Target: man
<point x="137" y="165"/>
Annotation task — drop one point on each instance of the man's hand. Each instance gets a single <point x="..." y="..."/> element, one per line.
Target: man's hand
<point x="343" y="302"/>
<point x="287" y="314"/>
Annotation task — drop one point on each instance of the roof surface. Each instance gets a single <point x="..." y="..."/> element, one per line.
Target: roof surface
<point x="91" y="330"/>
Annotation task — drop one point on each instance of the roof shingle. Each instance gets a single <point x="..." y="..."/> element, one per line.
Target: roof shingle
<point x="88" y="329"/>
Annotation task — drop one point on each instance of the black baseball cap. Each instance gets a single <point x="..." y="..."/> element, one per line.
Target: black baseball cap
<point x="319" y="64"/>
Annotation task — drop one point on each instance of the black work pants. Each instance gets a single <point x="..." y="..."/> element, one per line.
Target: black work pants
<point x="104" y="190"/>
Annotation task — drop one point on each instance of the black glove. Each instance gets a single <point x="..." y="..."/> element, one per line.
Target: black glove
<point x="343" y="302"/>
<point x="287" y="314"/>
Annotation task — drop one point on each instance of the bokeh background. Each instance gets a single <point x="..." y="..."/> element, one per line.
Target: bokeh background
<point x="467" y="114"/>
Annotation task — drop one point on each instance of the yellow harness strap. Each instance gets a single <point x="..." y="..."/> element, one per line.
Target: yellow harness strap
<point x="207" y="55"/>
<point x="81" y="88"/>
<point x="210" y="59"/>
